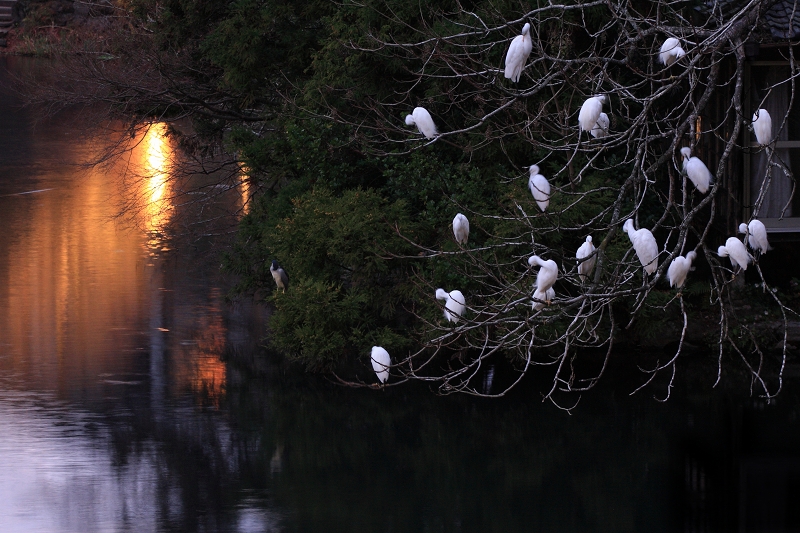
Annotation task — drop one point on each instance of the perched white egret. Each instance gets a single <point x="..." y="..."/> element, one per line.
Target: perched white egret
<point x="671" y="51"/>
<point x="518" y="53"/>
<point x="540" y="188"/>
<point x="756" y="235"/>
<point x="644" y="244"/>
<point x="585" y="251"/>
<point x="679" y="269"/>
<point x="461" y="228"/>
<point x="762" y="126"/>
<point x="590" y="112"/>
<point x="422" y="119"/>
<point x="696" y="170"/>
<point x="547" y="275"/>
<point x="735" y="250"/>
<point x="454" y="304"/>
<point x="381" y="363"/>
<point x="600" y="128"/>
<point x="544" y="298"/>
<point x="279" y="275"/>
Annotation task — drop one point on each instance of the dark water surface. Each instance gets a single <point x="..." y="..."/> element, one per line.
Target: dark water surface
<point x="134" y="398"/>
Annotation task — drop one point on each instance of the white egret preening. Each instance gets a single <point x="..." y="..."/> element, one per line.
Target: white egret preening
<point x="671" y="51"/>
<point x="544" y="298"/>
<point x="518" y="53"/>
<point x="590" y="112"/>
<point x="756" y="235"/>
<point x="540" y="187"/>
<point x="644" y="244"/>
<point x="461" y="228"/>
<point x="600" y="128"/>
<point x="381" y="363"/>
<point x="547" y="275"/>
<point x="762" y="127"/>
<point x="696" y="170"/>
<point x="735" y="250"/>
<point x="679" y="269"/>
<point x="586" y="266"/>
<point x="279" y="275"/>
<point x="454" y="304"/>
<point x="422" y="119"/>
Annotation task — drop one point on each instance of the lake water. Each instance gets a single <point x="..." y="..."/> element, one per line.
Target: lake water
<point x="134" y="397"/>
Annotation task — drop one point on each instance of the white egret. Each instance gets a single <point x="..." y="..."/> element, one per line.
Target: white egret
<point x="585" y="253"/>
<point x="679" y="269"/>
<point x="461" y="228"/>
<point x="590" y="112"/>
<point x="454" y="304"/>
<point x="544" y="298"/>
<point x="671" y="51"/>
<point x="518" y="53"/>
<point x="644" y="244"/>
<point x="279" y="275"/>
<point x="381" y="363"/>
<point x="540" y="188"/>
<point x="762" y="126"/>
<point x="547" y="275"/>
<point x="600" y="128"/>
<point x="735" y="250"/>
<point x="756" y="235"/>
<point x="422" y="119"/>
<point x="696" y="170"/>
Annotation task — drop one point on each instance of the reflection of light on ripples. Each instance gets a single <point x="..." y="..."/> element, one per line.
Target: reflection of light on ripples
<point x="56" y="473"/>
<point x="200" y="365"/>
<point x="157" y="153"/>
<point x="61" y="471"/>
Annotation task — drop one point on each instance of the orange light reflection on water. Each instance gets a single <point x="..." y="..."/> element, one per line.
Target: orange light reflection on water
<point x="245" y="190"/>
<point x="157" y="153"/>
<point x="198" y="364"/>
<point x="82" y="292"/>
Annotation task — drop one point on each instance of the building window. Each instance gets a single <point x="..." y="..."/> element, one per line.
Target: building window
<point x="771" y="196"/>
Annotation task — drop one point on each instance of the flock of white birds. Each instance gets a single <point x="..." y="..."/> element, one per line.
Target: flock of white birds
<point x="594" y="121"/>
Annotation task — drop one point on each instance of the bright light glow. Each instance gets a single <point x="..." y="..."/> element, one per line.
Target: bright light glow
<point x="157" y="161"/>
<point x="245" y="189"/>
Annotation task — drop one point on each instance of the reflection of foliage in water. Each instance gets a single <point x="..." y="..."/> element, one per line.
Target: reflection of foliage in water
<point x="328" y="458"/>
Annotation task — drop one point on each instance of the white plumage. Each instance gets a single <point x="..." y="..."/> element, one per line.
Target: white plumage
<point x="756" y="235"/>
<point x="454" y="304"/>
<point x="461" y="228"/>
<point x="586" y="250"/>
<point x="544" y="298"/>
<point x="547" y="275"/>
<point x="679" y="269"/>
<point x="735" y="250"/>
<point x="518" y="53"/>
<point x="762" y="126"/>
<point x="279" y="275"/>
<point x="696" y="170"/>
<point x="590" y="112"/>
<point x="540" y="188"/>
<point x="381" y="363"/>
<point x="671" y="51"/>
<point x="600" y="128"/>
<point x="644" y="244"/>
<point x="422" y="119"/>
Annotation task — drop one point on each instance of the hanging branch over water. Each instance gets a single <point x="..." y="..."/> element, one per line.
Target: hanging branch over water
<point x="628" y="168"/>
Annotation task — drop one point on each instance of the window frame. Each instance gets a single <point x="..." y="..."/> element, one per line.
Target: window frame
<point x="773" y="225"/>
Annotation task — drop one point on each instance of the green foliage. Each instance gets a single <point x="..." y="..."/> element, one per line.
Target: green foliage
<point x="346" y="290"/>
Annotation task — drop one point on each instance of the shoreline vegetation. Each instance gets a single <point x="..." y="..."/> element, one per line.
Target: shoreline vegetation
<point x="314" y="166"/>
<point x="53" y="27"/>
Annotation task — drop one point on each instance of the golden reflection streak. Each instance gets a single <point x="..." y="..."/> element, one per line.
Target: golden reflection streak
<point x="198" y="364"/>
<point x="245" y="190"/>
<point x="157" y="153"/>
